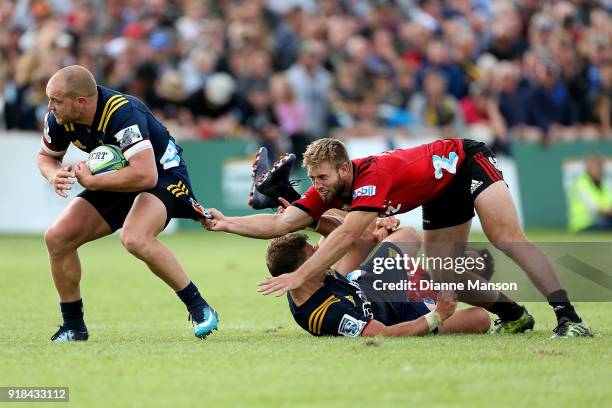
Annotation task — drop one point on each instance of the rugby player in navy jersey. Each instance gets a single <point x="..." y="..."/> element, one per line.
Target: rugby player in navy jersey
<point x="337" y="303"/>
<point x="139" y="199"/>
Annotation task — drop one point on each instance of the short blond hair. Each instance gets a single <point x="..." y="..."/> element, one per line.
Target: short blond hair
<point x="322" y="150"/>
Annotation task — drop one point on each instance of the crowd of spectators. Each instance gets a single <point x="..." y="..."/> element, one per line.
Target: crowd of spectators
<point x="284" y="72"/>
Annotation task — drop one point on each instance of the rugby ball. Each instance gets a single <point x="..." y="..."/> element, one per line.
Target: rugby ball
<point x="106" y="158"/>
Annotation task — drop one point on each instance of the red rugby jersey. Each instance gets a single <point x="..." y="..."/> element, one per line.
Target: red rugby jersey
<point x="396" y="181"/>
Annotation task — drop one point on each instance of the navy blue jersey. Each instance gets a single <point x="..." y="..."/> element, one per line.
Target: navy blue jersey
<point x="342" y="307"/>
<point x="120" y="120"/>
<point x="338" y="308"/>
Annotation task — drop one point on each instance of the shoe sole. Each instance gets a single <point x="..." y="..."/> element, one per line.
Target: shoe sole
<point x="204" y="336"/>
<point x="280" y="170"/>
<point x="254" y="199"/>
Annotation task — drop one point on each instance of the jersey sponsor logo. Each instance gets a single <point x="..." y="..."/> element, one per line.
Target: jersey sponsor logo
<point x="366" y="305"/>
<point x="170" y="158"/>
<point x="442" y="163"/>
<point x="128" y="136"/>
<point x="475" y="185"/>
<point x="494" y="162"/>
<point x="351" y="327"/>
<point x="365" y="191"/>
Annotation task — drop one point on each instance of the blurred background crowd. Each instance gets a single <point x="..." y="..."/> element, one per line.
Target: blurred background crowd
<point x="284" y="72"/>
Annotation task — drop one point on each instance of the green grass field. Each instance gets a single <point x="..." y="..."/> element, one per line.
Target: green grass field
<point x="142" y="352"/>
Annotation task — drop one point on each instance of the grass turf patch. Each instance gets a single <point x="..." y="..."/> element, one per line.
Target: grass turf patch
<point x="142" y="352"/>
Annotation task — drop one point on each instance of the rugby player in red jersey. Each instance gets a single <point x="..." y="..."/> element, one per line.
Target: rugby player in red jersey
<point x="449" y="178"/>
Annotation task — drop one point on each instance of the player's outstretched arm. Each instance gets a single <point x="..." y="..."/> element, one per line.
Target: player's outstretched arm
<point x="140" y="175"/>
<point x="338" y="243"/>
<point x="445" y="308"/>
<point x="60" y="178"/>
<point x="263" y="226"/>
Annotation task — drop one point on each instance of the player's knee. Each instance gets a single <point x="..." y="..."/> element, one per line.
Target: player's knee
<point x="58" y="239"/>
<point x="130" y="241"/>
<point x="482" y="322"/>
<point x="135" y="243"/>
<point x="507" y="240"/>
<point x="408" y="235"/>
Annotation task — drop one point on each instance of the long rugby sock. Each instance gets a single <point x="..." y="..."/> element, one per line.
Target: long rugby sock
<point x="562" y="306"/>
<point x="195" y="303"/>
<point x="72" y="312"/>
<point x="507" y="309"/>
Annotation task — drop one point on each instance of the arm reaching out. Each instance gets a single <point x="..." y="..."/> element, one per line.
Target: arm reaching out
<point x="260" y="225"/>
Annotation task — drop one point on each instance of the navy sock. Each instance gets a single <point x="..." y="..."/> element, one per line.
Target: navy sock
<point x="195" y="303"/>
<point x="72" y="312"/>
<point x="562" y="306"/>
<point x="507" y="309"/>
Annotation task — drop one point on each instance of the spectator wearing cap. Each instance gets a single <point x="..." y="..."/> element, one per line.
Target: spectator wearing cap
<point x="161" y="43"/>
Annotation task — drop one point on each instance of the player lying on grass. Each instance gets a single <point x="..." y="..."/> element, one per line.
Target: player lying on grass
<point x="329" y="304"/>
<point x="450" y="179"/>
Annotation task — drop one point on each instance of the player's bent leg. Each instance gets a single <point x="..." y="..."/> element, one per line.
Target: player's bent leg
<point x="146" y="219"/>
<point x="500" y="223"/>
<point x="78" y="223"/>
<point x="470" y="320"/>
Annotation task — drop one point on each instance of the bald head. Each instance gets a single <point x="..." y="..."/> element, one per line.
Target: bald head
<point x="73" y="81"/>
